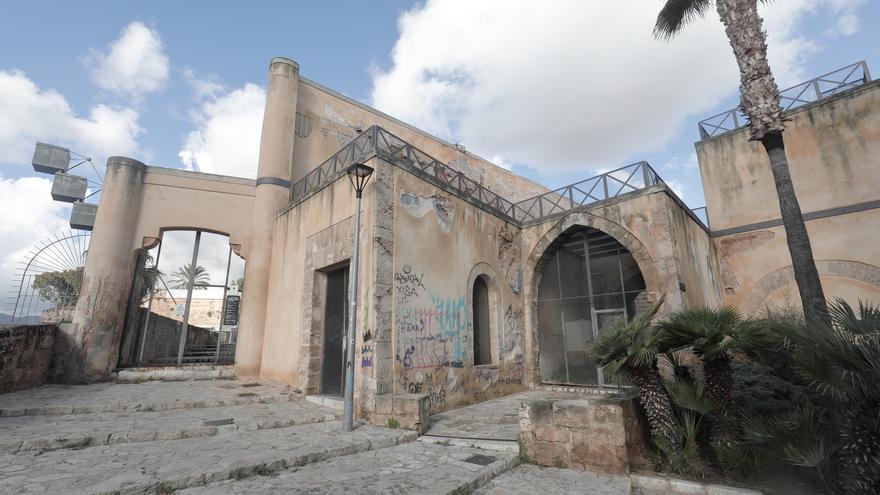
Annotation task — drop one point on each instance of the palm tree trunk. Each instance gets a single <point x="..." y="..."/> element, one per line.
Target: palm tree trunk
<point x="805" y="273"/>
<point x="760" y="102"/>
<point x="719" y="386"/>
<point x="657" y="405"/>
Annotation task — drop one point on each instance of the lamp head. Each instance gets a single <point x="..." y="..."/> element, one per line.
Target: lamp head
<point x="359" y="174"/>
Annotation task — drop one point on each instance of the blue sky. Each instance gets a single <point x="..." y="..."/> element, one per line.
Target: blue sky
<point x="554" y="90"/>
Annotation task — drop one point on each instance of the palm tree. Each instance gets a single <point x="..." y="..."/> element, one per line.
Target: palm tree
<point x="759" y="98"/>
<point x="710" y="334"/>
<point x="199" y="276"/>
<point x="630" y="349"/>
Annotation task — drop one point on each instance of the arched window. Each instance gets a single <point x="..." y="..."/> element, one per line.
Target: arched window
<point x="589" y="281"/>
<point x="482" y="333"/>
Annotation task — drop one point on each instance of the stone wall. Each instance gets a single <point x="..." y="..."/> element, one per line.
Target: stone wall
<point x="163" y="336"/>
<point x="25" y="355"/>
<point x="591" y="434"/>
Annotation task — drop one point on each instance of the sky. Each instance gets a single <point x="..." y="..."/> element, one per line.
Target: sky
<point x="555" y="90"/>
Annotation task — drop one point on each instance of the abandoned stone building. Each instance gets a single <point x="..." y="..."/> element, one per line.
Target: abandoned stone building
<point x="474" y="282"/>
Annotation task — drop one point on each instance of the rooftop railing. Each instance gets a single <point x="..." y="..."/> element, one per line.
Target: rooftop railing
<point x="806" y="92"/>
<point x="376" y="141"/>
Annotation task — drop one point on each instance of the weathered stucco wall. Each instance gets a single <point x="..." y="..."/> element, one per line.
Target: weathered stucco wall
<point x="833" y="148"/>
<point x="441" y="245"/>
<point x="332" y="120"/>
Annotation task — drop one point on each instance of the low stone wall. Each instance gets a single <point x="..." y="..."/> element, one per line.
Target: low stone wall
<point x="602" y="434"/>
<point x="25" y="355"/>
<point x="407" y="411"/>
<point x="163" y="336"/>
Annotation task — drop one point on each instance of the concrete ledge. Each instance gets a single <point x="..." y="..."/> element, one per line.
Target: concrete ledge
<point x="663" y="484"/>
<point x="174" y="374"/>
<point x="477" y="443"/>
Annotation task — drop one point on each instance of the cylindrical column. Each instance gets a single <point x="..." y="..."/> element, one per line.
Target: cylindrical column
<point x="92" y="340"/>
<point x="273" y="193"/>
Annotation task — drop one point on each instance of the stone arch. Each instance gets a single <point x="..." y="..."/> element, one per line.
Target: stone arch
<point x="759" y="293"/>
<point x="488" y="274"/>
<point x="539" y="255"/>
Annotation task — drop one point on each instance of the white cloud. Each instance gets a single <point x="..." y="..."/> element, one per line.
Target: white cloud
<point x="228" y="124"/>
<point x="32" y="114"/>
<point x="582" y="83"/>
<point x="134" y="64"/>
<point x="31" y="215"/>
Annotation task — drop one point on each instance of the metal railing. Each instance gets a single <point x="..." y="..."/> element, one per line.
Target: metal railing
<point x="702" y="215"/>
<point x="376" y="141"/>
<point x="631" y="178"/>
<point x="806" y="92"/>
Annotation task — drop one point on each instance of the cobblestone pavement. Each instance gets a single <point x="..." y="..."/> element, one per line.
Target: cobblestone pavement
<point x="145" y="467"/>
<point x="529" y="479"/>
<point x="43" y="433"/>
<point x="412" y="468"/>
<point x="147" y="396"/>
<point x="496" y="419"/>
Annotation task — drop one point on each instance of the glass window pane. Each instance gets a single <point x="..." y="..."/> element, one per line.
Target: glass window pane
<point x="605" y="269"/>
<point x="552" y="360"/>
<point x="609" y="301"/>
<point x="213" y="256"/>
<point x="578" y="333"/>
<point x="632" y="276"/>
<point x="573" y="268"/>
<point x="549" y="288"/>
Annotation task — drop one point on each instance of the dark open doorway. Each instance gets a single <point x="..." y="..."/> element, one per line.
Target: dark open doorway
<point x="335" y="320"/>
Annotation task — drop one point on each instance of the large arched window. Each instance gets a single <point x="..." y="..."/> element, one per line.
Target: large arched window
<point x="482" y="331"/>
<point x="589" y="281"/>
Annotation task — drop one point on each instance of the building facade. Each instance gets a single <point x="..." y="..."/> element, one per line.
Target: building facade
<point x="474" y="282"/>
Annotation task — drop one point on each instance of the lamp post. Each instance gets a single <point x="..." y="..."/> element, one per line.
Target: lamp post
<point x="358" y="174"/>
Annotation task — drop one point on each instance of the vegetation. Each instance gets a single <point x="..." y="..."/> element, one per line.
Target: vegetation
<point x="198" y="274"/>
<point x="59" y="288"/>
<point x="749" y="395"/>
<point x="760" y="102"/>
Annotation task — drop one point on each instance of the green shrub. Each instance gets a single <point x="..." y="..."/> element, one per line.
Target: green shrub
<point x="758" y="391"/>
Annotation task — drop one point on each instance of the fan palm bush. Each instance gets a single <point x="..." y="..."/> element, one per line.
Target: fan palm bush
<point x="709" y="333"/>
<point x="629" y="350"/>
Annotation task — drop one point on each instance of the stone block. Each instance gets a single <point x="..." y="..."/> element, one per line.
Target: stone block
<point x="572" y="412"/>
<point x="549" y="433"/>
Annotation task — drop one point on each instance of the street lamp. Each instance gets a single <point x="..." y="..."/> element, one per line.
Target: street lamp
<point x="358" y="174"/>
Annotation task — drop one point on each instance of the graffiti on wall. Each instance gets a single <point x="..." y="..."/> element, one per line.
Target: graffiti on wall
<point x="367" y="347"/>
<point x="433" y="336"/>
<point x="419" y="206"/>
<point x="511" y="344"/>
<point x="408" y="284"/>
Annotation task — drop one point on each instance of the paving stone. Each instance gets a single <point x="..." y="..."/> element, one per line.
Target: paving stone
<point x="139" y="468"/>
<point x="412" y="468"/>
<point x="147" y="396"/>
<point x="43" y="433"/>
<point x="528" y="479"/>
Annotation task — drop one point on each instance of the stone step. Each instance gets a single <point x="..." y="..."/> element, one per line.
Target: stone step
<point x="162" y="466"/>
<point x="175" y="373"/>
<point x="45" y="433"/>
<point x="531" y="479"/>
<point x="146" y="396"/>
<point x="478" y="443"/>
<point x="331" y="401"/>
<point x="416" y="468"/>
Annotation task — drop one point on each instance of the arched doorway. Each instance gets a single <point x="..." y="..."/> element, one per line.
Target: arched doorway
<point x="589" y="281"/>
<point x="482" y="334"/>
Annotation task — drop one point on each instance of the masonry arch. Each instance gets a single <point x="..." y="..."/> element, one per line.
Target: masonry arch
<point x="588" y="307"/>
<point x="489" y="340"/>
<point x="849" y="280"/>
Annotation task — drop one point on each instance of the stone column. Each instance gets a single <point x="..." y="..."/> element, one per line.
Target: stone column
<point x="90" y="347"/>
<point x="273" y="193"/>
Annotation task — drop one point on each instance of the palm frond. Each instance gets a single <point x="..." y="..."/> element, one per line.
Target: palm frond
<point x="678" y="13"/>
<point x="709" y="331"/>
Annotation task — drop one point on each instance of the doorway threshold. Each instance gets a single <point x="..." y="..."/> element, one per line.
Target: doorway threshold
<point x="335" y="402"/>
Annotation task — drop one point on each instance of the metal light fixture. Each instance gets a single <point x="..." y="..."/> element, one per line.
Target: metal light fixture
<point x="358" y="174"/>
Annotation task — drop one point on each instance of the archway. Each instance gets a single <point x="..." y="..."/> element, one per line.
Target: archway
<point x="588" y="281"/>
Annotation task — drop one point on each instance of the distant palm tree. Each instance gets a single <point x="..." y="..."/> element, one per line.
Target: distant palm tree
<point x="760" y="102"/>
<point x="199" y="275"/>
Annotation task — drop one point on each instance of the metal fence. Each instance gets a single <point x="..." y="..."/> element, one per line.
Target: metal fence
<point x="630" y="178"/>
<point x="806" y="92"/>
<point x="376" y="141"/>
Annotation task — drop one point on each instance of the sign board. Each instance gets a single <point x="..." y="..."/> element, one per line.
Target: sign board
<point x="230" y="313"/>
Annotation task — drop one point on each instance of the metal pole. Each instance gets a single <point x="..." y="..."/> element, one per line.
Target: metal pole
<point x="189" y="293"/>
<point x="347" y="422"/>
